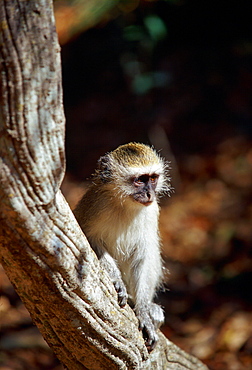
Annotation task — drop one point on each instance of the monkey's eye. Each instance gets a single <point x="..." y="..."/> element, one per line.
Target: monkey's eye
<point x="143" y="179"/>
<point x="154" y="178"/>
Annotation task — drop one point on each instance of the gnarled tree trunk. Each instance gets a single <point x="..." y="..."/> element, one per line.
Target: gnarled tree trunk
<point x="42" y="248"/>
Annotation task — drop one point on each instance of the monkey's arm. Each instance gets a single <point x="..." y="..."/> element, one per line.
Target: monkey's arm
<point x="150" y="315"/>
<point x="143" y="280"/>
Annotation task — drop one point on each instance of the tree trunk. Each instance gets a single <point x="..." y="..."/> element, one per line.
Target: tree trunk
<point x="43" y="250"/>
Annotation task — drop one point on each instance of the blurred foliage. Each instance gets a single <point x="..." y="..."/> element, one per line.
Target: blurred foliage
<point x="75" y="16"/>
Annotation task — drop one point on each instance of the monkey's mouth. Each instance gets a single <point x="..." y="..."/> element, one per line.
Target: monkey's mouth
<point x="145" y="200"/>
<point x="147" y="204"/>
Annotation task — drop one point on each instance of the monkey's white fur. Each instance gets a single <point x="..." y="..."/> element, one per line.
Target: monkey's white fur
<point x="119" y="231"/>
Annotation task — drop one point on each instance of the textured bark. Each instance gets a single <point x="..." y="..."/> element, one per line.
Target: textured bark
<point x="42" y="249"/>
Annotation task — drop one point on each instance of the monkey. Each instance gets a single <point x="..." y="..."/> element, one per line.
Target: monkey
<point x="119" y="215"/>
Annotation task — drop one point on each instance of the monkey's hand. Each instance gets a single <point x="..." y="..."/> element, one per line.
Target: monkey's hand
<point x="108" y="263"/>
<point x="121" y="292"/>
<point x="150" y="318"/>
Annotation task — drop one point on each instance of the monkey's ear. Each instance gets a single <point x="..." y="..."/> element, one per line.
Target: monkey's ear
<point x="104" y="168"/>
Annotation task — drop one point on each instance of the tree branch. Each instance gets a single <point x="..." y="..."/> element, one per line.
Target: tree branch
<point x="43" y="250"/>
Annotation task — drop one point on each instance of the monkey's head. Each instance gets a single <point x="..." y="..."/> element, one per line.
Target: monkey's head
<point x="134" y="172"/>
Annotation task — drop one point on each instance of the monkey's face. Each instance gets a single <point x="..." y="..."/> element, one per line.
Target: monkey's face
<point x="133" y="172"/>
<point x="145" y="188"/>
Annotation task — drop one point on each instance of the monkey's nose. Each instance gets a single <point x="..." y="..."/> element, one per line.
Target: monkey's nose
<point x="149" y="196"/>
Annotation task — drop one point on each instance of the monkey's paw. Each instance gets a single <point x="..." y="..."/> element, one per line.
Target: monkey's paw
<point x="121" y="292"/>
<point x="147" y="327"/>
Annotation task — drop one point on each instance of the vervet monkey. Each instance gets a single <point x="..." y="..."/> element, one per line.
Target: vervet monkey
<point x="119" y="215"/>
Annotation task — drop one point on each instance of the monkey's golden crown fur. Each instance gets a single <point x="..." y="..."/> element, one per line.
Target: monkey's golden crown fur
<point x="135" y="154"/>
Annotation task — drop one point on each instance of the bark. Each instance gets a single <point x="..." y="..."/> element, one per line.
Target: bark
<point x="42" y="248"/>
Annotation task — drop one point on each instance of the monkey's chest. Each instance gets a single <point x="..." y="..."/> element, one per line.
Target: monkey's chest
<point x="122" y="243"/>
<point x="123" y="235"/>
